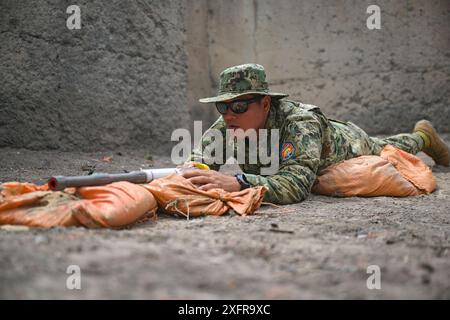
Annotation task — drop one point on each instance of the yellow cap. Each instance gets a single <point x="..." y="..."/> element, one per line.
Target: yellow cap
<point x="201" y="166"/>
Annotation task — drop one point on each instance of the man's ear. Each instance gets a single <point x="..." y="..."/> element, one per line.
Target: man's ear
<point x="266" y="103"/>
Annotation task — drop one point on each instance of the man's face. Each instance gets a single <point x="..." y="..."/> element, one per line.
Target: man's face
<point x="254" y="118"/>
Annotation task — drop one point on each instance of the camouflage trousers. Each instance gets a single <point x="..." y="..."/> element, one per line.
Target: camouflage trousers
<point x="362" y="144"/>
<point x="409" y="142"/>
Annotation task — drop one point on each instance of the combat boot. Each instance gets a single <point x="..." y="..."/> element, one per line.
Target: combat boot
<point x="433" y="145"/>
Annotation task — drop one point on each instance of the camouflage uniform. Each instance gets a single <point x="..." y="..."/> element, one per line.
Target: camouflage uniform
<point x="313" y="141"/>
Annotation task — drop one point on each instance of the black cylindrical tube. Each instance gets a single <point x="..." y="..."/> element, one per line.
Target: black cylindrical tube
<point x="96" y="179"/>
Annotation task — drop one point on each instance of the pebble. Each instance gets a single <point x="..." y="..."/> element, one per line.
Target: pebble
<point x="40" y="239"/>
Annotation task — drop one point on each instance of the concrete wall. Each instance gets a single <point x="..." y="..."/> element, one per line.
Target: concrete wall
<point x="321" y="52"/>
<point x="136" y="69"/>
<point x="200" y="78"/>
<point x="119" y="81"/>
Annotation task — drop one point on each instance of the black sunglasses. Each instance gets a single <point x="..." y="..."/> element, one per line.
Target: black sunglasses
<point x="237" y="106"/>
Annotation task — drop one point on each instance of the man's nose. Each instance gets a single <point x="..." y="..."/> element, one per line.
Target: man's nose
<point x="229" y="115"/>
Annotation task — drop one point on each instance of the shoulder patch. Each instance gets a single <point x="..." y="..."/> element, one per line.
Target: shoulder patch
<point x="287" y="151"/>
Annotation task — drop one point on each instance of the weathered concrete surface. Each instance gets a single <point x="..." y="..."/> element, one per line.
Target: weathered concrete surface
<point x="321" y="52"/>
<point x="120" y="80"/>
<point x="319" y="248"/>
<point x="136" y="69"/>
<point x="199" y="75"/>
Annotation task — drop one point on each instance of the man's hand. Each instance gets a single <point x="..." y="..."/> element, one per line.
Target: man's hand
<point x="210" y="179"/>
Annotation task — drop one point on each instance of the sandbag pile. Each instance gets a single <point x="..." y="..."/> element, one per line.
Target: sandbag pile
<point x="118" y="204"/>
<point x="393" y="173"/>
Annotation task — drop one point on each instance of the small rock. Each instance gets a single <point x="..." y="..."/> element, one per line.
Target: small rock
<point x="40" y="239"/>
<point x="391" y="241"/>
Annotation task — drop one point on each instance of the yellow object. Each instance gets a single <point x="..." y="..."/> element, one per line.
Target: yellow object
<point x="201" y="166"/>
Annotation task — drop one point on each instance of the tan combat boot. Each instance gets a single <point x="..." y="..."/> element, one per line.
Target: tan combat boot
<point x="433" y="146"/>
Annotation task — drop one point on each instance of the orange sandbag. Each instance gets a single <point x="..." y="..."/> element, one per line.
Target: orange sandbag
<point x="393" y="173"/>
<point x="177" y="195"/>
<point x="9" y="189"/>
<point x="411" y="168"/>
<point x="114" y="205"/>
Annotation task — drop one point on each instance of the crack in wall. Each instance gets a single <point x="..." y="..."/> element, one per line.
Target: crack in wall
<point x="255" y="28"/>
<point x="212" y="79"/>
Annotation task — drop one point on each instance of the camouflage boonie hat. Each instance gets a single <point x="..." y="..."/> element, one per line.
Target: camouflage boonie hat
<point x="241" y="80"/>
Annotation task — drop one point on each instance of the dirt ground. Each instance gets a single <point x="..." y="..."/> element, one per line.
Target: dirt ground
<point x="318" y="249"/>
